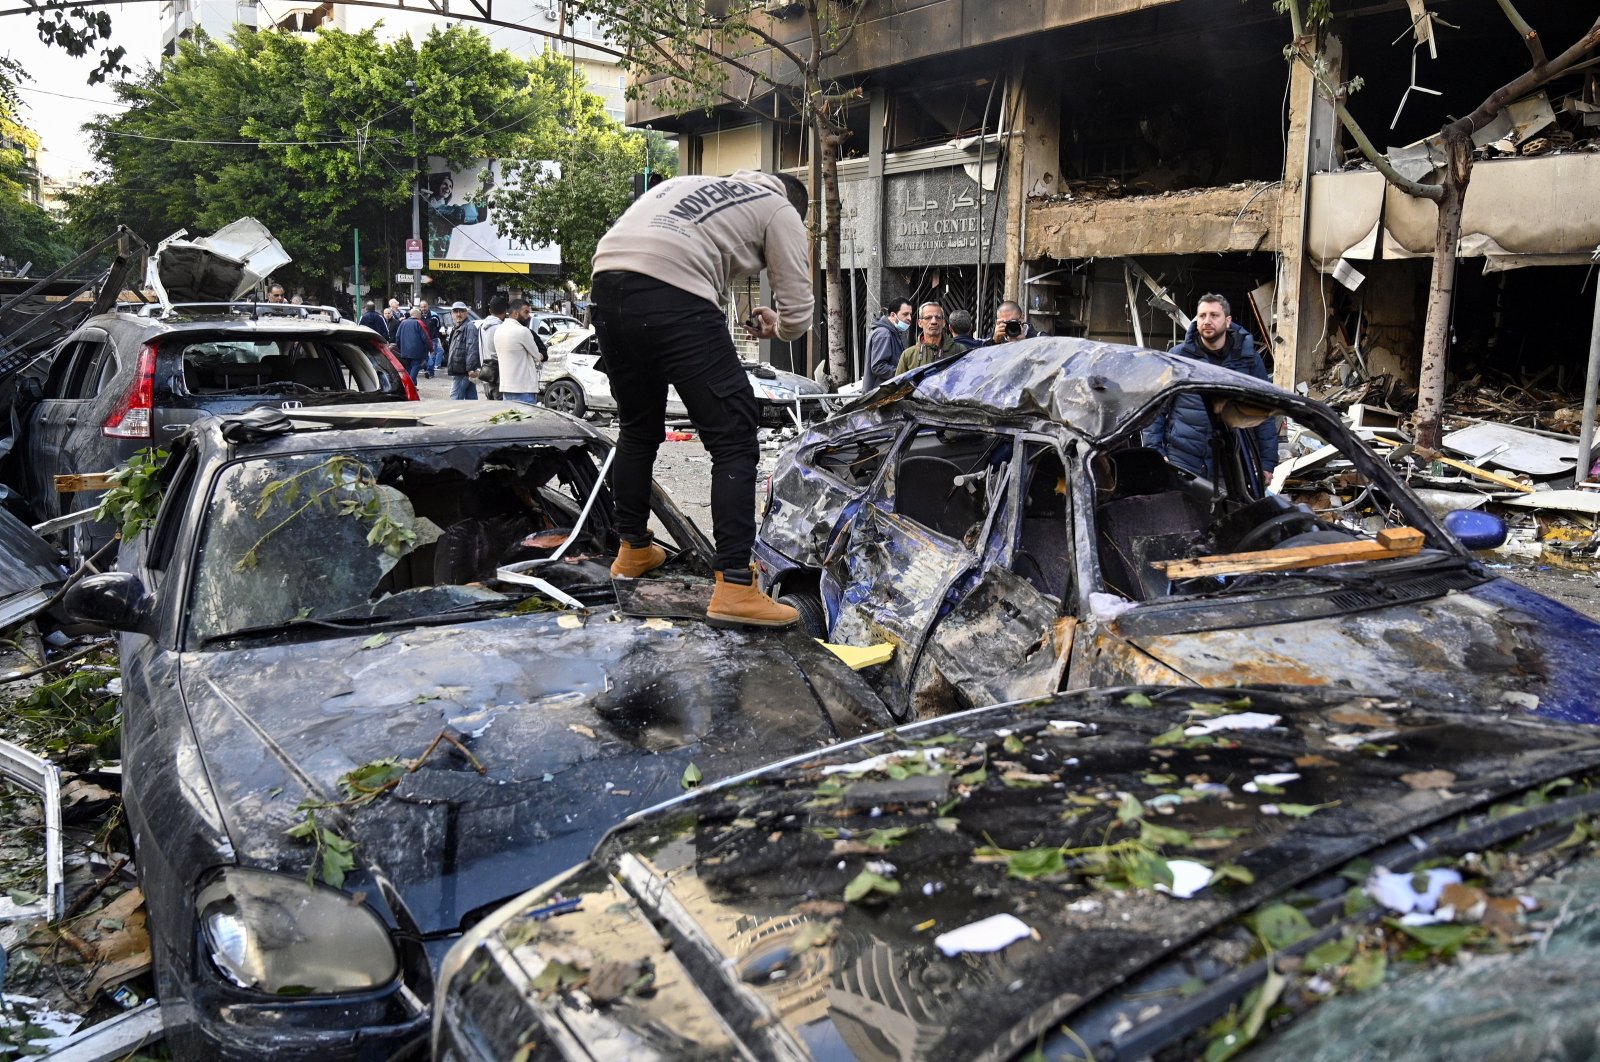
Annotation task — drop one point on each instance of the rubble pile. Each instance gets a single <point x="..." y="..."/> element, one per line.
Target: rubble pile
<point x="1509" y="448"/>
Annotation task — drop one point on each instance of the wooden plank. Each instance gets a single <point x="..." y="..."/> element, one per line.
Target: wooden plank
<point x="73" y="484"/>
<point x="1392" y="542"/>
<point x="1474" y="470"/>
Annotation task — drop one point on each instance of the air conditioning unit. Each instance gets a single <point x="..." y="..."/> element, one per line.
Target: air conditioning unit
<point x="552" y="14"/>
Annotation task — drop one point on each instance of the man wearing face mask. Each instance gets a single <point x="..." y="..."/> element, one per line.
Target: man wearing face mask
<point x="886" y="341"/>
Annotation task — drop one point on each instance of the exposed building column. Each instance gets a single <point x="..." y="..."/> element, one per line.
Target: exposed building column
<point x="877" y="146"/>
<point x="1037" y="171"/>
<point x="1016" y="103"/>
<point x="1310" y="144"/>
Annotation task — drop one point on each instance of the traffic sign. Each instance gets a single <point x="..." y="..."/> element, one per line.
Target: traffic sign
<point x="414" y="254"/>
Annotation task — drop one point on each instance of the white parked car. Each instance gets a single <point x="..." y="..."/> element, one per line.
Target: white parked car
<point x="571" y="383"/>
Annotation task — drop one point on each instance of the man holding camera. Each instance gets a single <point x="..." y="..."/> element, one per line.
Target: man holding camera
<point x="1010" y="325"/>
<point x="661" y="277"/>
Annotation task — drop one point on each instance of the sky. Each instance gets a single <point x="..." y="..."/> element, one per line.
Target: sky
<point x="59" y="99"/>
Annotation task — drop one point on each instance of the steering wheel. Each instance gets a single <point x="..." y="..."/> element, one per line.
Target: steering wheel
<point x="1299" y="519"/>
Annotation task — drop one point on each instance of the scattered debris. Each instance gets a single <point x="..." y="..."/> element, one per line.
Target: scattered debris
<point x="994" y="933"/>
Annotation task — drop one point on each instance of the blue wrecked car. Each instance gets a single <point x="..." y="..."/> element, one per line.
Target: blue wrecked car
<point x="1011" y="523"/>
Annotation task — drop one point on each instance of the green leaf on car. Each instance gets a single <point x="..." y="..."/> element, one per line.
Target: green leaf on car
<point x="867" y="883"/>
<point x="691" y="777"/>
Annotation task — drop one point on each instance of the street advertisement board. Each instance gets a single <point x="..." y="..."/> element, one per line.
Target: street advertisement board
<point x="462" y="236"/>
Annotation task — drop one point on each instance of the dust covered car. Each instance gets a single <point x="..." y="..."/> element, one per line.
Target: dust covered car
<point x="999" y="519"/>
<point x="376" y="680"/>
<point x="1131" y="874"/>
<point x="122" y="382"/>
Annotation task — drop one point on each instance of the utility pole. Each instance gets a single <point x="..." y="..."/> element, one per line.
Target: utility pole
<point x="355" y="276"/>
<point x="416" y="197"/>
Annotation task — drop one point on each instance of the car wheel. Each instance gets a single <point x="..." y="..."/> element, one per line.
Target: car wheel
<point x="565" y="396"/>
<point x="812" y="617"/>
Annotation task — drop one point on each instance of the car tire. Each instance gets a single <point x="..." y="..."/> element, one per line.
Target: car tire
<point x="812" y="617"/>
<point x="565" y="396"/>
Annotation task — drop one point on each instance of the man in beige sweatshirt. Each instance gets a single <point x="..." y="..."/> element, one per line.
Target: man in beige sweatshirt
<point x="661" y="276"/>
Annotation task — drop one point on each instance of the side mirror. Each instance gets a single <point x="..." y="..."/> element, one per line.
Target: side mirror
<point x="30" y="391"/>
<point x="1475" y="530"/>
<point x="117" y="600"/>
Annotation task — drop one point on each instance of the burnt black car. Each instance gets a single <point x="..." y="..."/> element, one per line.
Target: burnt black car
<point x="1006" y="521"/>
<point x="1123" y="874"/>
<point x="123" y="382"/>
<point x="376" y="680"/>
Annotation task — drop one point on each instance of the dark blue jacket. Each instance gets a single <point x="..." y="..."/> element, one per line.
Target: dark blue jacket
<point x="1183" y="430"/>
<point x="413" y="339"/>
<point x="884" y="344"/>
<point x="374" y="320"/>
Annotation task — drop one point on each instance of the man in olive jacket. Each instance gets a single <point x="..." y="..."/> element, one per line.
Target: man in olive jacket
<point x="934" y="341"/>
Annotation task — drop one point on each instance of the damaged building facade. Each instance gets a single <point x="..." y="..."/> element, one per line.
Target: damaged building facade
<point x="1104" y="162"/>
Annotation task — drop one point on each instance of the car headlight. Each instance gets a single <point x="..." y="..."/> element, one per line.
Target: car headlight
<point x="276" y="934"/>
<point x="776" y="394"/>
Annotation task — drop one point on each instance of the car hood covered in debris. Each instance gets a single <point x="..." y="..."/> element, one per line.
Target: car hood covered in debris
<point x="968" y="887"/>
<point x="575" y="722"/>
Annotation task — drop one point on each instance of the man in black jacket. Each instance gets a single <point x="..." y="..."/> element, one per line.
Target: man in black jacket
<point x="1184" y="431"/>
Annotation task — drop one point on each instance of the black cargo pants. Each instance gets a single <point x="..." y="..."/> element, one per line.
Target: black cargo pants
<point x="651" y="335"/>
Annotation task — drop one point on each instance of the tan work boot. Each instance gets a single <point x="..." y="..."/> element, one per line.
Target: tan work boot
<point x="634" y="561"/>
<point x="743" y="603"/>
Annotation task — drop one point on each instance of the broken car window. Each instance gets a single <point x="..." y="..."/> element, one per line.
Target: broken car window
<point x="1230" y="505"/>
<point x="856" y="461"/>
<point x="1043" y="555"/>
<point x="268" y="364"/>
<point x="391" y="534"/>
<point x="945" y="479"/>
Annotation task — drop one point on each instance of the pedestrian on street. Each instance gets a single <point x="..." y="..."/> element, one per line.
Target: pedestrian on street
<point x="415" y="344"/>
<point x="489" y="374"/>
<point x="519" y="351"/>
<point x="435" y="327"/>
<point x="661" y="277"/>
<point x="392" y="318"/>
<point x="961" y="327"/>
<point x="1187" y="432"/>
<point x="933" y="342"/>
<point x="886" y="341"/>
<point x="465" y="356"/>
<point x="374" y="320"/>
<point x="1010" y="325"/>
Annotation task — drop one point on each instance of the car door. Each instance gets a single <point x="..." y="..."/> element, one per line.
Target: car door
<point x="907" y="555"/>
<point x="1009" y="636"/>
<point x="69" y="391"/>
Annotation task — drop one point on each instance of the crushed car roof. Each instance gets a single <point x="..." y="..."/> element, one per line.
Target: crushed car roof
<point x="376" y="424"/>
<point x="1092" y="387"/>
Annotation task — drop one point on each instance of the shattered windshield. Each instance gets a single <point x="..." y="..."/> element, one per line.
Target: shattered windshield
<point x="1213" y="492"/>
<point x="379" y="535"/>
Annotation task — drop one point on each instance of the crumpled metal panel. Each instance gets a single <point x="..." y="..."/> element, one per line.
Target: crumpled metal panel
<point x="1478" y="647"/>
<point x="29" y="573"/>
<point x="1003" y="642"/>
<point x="806" y="503"/>
<point x="1092" y="387"/>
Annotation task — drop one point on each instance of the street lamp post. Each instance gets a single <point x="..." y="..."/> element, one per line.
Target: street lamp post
<point x="416" y="196"/>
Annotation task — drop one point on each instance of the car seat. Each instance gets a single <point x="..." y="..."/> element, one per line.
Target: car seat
<point x="1148" y="516"/>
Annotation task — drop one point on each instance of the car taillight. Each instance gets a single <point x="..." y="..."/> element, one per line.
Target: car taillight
<point x="405" y="377"/>
<point x="131" y="418"/>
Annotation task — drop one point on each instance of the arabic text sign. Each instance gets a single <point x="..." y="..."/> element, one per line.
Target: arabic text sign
<point x="940" y="217"/>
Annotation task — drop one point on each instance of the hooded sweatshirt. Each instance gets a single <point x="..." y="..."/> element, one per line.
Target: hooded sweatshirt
<point x="701" y="234"/>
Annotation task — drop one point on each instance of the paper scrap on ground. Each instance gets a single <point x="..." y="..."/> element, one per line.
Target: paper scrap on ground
<point x="990" y="934"/>
<point x="1254" y="786"/>
<point x="857" y="657"/>
<point x="878" y="763"/>
<point x="1399" y="892"/>
<point x="1188" y="878"/>
<point x="1240" y="721"/>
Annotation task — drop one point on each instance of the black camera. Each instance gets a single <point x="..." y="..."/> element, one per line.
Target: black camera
<point x="1013" y="329"/>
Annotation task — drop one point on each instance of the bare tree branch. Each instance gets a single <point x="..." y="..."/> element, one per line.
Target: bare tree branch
<point x="1529" y="35"/>
<point x="1519" y="87"/>
<point x="1434" y="192"/>
<point x="776" y="45"/>
<point x="844" y="34"/>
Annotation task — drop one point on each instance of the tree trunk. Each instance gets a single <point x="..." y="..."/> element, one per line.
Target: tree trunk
<point x="1441" y="289"/>
<point x="836" y="296"/>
